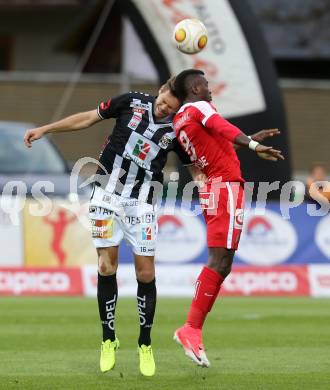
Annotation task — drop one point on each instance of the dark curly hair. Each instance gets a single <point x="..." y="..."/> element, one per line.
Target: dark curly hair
<point x="181" y="82"/>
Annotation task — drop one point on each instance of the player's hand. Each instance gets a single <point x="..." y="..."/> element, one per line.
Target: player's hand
<point x="261" y="135"/>
<point x="268" y="153"/>
<point x="32" y="135"/>
<point x="197" y="175"/>
<point x="266" y="156"/>
<point x="200" y="179"/>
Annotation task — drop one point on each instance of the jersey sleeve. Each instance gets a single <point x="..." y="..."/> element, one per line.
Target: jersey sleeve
<point x="183" y="156"/>
<point x="211" y="119"/>
<point x="112" y="107"/>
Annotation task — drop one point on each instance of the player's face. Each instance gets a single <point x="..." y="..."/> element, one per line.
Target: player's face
<point x="166" y="104"/>
<point x="204" y="93"/>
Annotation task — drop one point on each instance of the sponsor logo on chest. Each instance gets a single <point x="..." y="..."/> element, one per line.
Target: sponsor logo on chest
<point x="138" y="109"/>
<point x="165" y="141"/>
<point x="137" y="106"/>
<point x="135" y="121"/>
<point x="141" y="149"/>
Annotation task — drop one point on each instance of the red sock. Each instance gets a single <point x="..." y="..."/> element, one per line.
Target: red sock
<point x="207" y="289"/>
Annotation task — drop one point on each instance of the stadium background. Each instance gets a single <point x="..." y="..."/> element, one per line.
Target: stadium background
<point x="54" y="62"/>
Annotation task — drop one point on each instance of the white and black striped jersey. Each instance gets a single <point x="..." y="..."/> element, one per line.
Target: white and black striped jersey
<point x="136" y="151"/>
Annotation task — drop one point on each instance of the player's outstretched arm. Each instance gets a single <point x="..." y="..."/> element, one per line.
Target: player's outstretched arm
<point x="236" y="136"/>
<point x="74" y="122"/>
<point x="269" y="153"/>
<point x="266" y="152"/>
<point x="260" y="136"/>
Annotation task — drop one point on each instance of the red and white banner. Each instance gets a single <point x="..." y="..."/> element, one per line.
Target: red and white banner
<point x="40" y="281"/>
<point x="319" y="279"/>
<point x="265" y="281"/>
<point x="126" y="280"/>
<point x="243" y="281"/>
<point x="174" y="281"/>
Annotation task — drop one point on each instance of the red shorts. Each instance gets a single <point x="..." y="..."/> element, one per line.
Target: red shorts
<point x="223" y="208"/>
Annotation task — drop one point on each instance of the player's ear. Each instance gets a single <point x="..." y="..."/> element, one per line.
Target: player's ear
<point x="195" y="88"/>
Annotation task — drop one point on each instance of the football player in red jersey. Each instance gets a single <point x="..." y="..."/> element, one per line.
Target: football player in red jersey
<point x="209" y="140"/>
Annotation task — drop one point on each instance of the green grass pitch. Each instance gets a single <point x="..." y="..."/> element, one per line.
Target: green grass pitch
<point x="252" y="343"/>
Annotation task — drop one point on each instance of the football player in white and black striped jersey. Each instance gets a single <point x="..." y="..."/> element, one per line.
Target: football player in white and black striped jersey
<point x="123" y="203"/>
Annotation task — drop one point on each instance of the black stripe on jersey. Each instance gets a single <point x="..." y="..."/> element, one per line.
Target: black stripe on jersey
<point x="156" y="188"/>
<point x="138" y="183"/>
<point x="161" y="134"/>
<point x="107" y="159"/>
<point x="151" y="195"/>
<point x="125" y="166"/>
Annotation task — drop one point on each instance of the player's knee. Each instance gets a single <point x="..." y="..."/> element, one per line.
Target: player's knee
<point x="221" y="265"/>
<point x="106" y="267"/>
<point x="224" y="269"/>
<point x="145" y="275"/>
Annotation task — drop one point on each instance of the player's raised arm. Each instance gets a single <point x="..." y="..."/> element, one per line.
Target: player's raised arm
<point x="234" y="134"/>
<point x="261" y="135"/>
<point x="265" y="152"/>
<point x="74" y="122"/>
<point x="212" y="120"/>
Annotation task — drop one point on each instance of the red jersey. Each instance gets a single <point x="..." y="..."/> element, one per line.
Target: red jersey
<point x="208" y="140"/>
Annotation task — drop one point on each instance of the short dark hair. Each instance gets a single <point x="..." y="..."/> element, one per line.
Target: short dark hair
<point x="180" y="85"/>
